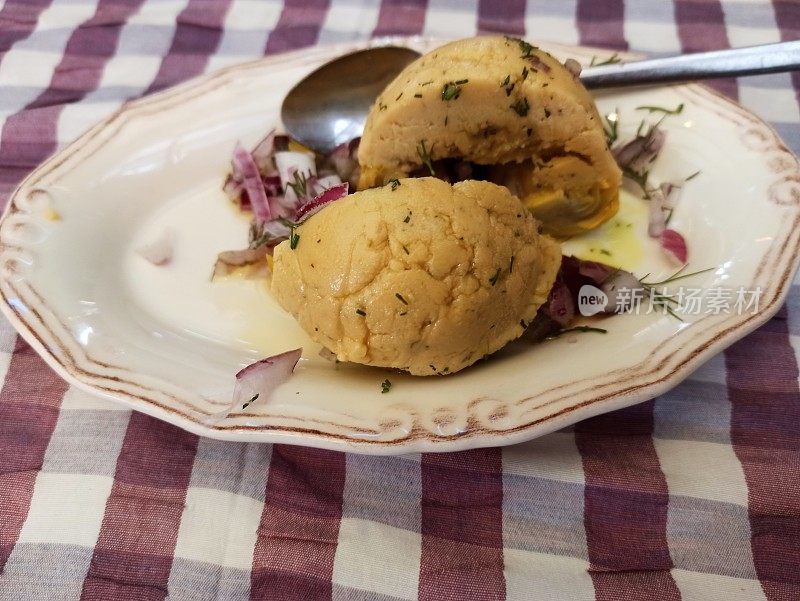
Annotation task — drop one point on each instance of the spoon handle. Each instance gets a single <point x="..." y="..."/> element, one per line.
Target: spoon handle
<point x="752" y="60"/>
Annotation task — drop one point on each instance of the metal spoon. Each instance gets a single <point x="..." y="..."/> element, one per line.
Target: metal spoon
<point x="330" y="106"/>
<point x="752" y="60"/>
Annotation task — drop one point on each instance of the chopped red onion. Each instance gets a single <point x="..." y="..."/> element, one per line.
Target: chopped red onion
<point x="257" y="381"/>
<point x="260" y="182"/>
<point x="327" y="181"/>
<point x="674" y="246"/>
<point x="246" y="170"/>
<point x="538" y="63"/>
<point x="263" y="151"/>
<point x="328" y="196"/>
<point x="576" y="272"/>
<point x="290" y="163"/>
<point x="272" y="183"/>
<point x="280" y="208"/>
<point x="597" y="272"/>
<point x="276" y="229"/>
<point x="159" y="251"/>
<point x="573" y="67"/>
<point x="344" y="162"/>
<point x="672" y="193"/>
<point x="621" y="280"/>
<point x="327" y="354"/>
<point x="231" y="260"/>
<point x="640" y="151"/>
<point x="540" y="328"/>
<point x="560" y="306"/>
<point x="656" y="219"/>
<point x="232" y="187"/>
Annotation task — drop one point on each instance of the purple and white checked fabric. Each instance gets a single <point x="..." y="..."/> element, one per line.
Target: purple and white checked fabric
<point x="695" y="495"/>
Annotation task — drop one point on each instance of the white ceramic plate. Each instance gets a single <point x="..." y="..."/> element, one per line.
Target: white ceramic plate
<point x="167" y="341"/>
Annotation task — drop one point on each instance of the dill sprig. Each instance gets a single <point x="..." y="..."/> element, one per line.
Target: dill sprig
<point x="611" y="127"/>
<point x="425" y="156"/>
<point x="299" y="184"/>
<point x="580" y="329"/>
<point x="668" y="301"/>
<point x="660" y="109"/>
<point x="678" y="275"/>
<point x="614" y="58"/>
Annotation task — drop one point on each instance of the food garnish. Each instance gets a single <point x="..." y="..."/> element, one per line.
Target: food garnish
<point x="282" y="188"/>
<point x="521" y="107"/>
<point x="660" y="109"/>
<point x="674" y="245"/>
<point x="452" y="89"/>
<point x="425" y="156"/>
<point x="257" y="381"/>
<point x="159" y="251"/>
<point x="614" y="58"/>
<point x="573" y="67"/>
<point x="635" y="158"/>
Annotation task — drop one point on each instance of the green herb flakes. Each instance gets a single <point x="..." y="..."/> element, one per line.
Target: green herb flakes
<point x="386" y="386"/>
<point x="452" y="89"/>
<point x="508" y="85"/>
<point x="248" y="403"/>
<point x="525" y="48"/>
<point x="521" y="107"/>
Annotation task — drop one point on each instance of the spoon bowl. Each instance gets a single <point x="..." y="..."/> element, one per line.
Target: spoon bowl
<point x="330" y="106"/>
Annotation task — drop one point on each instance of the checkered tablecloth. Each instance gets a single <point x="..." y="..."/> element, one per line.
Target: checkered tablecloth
<point x="694" y="495"/>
